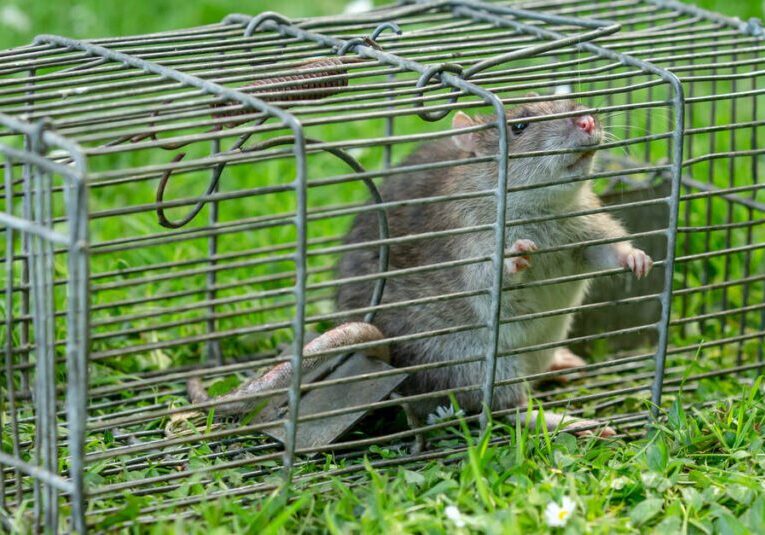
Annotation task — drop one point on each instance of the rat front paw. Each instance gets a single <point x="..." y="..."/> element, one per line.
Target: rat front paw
<point x="637" y="261"/>
<point x="517" y="264"/>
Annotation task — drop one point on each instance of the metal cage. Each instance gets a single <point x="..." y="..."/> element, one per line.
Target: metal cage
<point x="174" y="205"/>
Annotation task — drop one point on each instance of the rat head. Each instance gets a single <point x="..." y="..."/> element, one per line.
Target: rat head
<point x="577" y="131"/>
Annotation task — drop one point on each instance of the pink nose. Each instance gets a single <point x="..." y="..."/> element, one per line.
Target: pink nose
<point x="586" y="123"/>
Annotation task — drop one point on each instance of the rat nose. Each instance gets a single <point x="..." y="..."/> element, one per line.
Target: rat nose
<point x="586" y="123"/>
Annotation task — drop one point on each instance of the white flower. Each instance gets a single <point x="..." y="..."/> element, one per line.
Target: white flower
<point x="619" y="483"/>
<point x="556" y="515"/>
<point x="12" y="17"/>
<point x="358" y="6"/>
<point x="442" y="414"/>
<point x="453" y="514"/>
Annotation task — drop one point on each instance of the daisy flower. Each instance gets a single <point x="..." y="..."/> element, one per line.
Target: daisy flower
<point x="454" y="514"/>
<point x="556" y="515"/>
<point x="442" y="414"/>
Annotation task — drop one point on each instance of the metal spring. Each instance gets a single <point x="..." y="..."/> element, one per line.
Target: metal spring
<point x="312" y="85"/>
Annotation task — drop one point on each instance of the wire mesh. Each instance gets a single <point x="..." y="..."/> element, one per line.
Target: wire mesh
<point x="175" y="206"/>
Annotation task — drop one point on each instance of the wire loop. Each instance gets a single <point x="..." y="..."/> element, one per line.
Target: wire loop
<point x="436" y="70"/>
<point x="355" y="42"/>
<point x="390" y="26"/>
<point x="267" y="16"/>
<point x="382" y="218"/>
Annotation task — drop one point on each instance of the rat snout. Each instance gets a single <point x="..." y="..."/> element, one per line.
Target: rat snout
<point x="585" y="123"/>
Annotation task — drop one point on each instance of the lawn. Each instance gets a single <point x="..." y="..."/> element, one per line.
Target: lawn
<point x="21" y="21"/>
<point x="701" y="471"/>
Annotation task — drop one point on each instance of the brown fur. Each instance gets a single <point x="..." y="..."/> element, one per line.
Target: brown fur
<point x="454" y="214"/>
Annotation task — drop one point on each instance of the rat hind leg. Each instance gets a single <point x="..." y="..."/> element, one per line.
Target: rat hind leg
<point x="564" y="359"/>
<point x="554" y="422"/>
<point x="415" y="423"/>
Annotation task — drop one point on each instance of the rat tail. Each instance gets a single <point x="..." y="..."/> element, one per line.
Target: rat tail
<point x="196" y="391"/>
<point x="241" y="401"/>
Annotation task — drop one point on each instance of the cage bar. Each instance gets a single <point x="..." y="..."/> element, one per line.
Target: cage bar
<point x="119" y="288"/>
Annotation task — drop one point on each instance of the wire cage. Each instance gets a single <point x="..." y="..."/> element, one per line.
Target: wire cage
<point x="175" y="206"/>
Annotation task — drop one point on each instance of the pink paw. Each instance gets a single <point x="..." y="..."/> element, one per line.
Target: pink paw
<point x="577" y="426"/>
<point x="517" y="264"/>
<point x="565" y="359"/>
<point x="637" y="261"/>
<point x="596" y="429"/>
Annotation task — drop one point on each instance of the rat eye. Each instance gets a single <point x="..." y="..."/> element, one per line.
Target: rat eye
<point x="518" y="128"/>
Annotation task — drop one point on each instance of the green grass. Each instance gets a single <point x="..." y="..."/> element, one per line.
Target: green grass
<point x="95" y="18"/>
<point x="701" y="473"/>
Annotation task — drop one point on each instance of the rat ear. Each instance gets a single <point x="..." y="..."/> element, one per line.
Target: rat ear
<point x="464" y="142"/>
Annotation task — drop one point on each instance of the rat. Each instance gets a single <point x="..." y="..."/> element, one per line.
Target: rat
<point x="526" y="260"/>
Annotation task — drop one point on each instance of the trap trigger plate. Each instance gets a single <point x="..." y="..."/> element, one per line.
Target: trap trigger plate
<point x="324" y="431"/>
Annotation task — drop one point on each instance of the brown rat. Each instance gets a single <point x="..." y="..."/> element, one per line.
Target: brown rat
<point x="579" y="131"/>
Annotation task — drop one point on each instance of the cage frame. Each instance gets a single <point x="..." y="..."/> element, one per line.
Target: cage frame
<point x="47" y="480"/>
